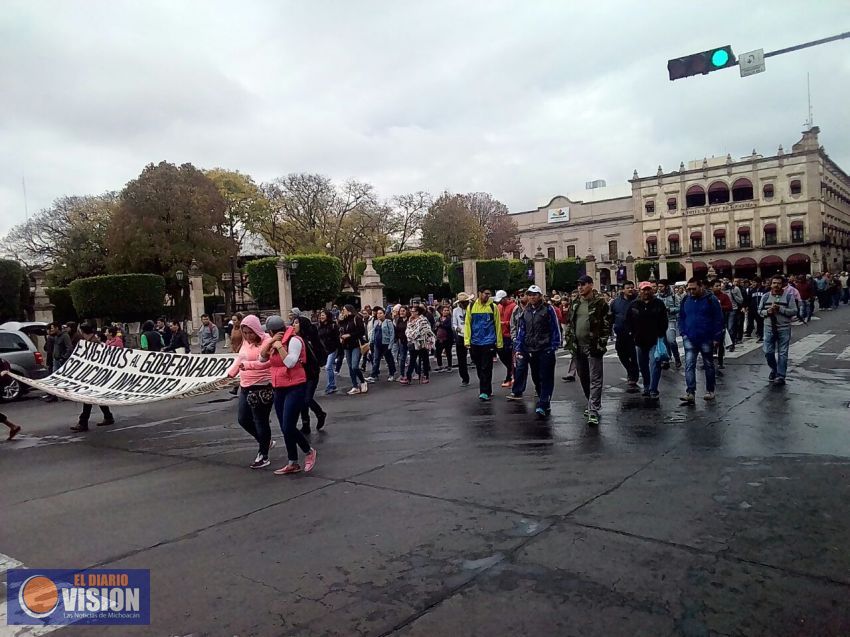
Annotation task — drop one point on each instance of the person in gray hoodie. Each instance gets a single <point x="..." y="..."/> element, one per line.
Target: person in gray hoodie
<point x="672" y="302"/>
<point x="778" y="307"/>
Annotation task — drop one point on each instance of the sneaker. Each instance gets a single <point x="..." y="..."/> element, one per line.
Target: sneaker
<point x="654" y="395"/>
<point x="403" y="381"/>
<point x="320" y="420"/>
<point x="106" y="422"/>
<point x="425" y="381"/>
<point x="586" y="413"/>
<point x="771" y="377"/>
<point x="391" y="379"/>
<point x="568" y="379"/>
<point x="310" y="461"/>
<point x="688" y="399"/>
<point x="632" y="384"/>
<point x="540" y="412"/>
<point x="513" y="396"/>
<point x="483" y="397"/>
<point x="354" y="391"/>
<point x="507" y="383"/>
<point x="291" y="467"/>
<point x="709" y="396"/>
<point x="593" y="419"/>
<point x="80" y="428"/>
<point x="779" y="381"/>
<point x="260" y="462"/>
<point x="464" y="383"/>
<point x="257" y="459"/>
<point x="371" y="379"/>
<point x="330" y="391"/>
<point x="364" y="388"/>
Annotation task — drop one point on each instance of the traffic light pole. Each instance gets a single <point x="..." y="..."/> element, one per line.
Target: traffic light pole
<point x="806" y="45"/>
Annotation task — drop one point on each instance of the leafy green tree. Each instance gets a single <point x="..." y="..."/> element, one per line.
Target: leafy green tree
<point x="501" y="235"/>
<point x="450" y="227"/>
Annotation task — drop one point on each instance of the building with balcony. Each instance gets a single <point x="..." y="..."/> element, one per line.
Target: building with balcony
<point x="598" y="221"/>
<point x="789" y="212"/>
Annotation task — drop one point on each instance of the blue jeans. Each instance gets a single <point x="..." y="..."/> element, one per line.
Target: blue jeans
<point x="253" y="417"/>
<point x="401" y="356"/>
<point x="329" y="368"/>
<point x="776" y="349"/>
<point x="288" y="402"/>
<point x="382" y="351"/>
<point x="542" y="366"/>
<point x="352" y="357"/>
<point x="672" y="333"/>
<point x="650" y="368"/>
<point x="805" y="312"/>
<point x="706" y="351"/>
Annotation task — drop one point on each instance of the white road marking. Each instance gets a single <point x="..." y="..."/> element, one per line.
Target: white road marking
<point x="145" y="425"/>
<point x="7" y="562"/>
<point x="844" y="355"/>
<point x="805" y="346"/>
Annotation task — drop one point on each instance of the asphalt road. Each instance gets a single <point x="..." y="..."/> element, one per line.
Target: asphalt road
<point x="430" y="513"/>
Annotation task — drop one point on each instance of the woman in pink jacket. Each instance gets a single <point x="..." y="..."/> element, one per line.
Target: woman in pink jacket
<point x="257" y="394"/>
<point x="284" y="356"/>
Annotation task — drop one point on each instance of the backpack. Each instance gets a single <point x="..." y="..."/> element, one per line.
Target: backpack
<point x="312" y="365"/>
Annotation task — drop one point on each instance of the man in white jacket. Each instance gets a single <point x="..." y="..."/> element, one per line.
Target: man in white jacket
<point x="458" y="322"/>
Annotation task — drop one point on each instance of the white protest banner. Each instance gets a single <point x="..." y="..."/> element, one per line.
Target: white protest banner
<point x="104" y="375"/>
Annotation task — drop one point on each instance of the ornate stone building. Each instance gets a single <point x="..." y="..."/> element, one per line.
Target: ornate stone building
<point x="599" y="222"/>
<point x="789" y="212"/>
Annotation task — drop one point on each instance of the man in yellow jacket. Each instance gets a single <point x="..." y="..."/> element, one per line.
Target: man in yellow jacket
<point x="482" y="336"/>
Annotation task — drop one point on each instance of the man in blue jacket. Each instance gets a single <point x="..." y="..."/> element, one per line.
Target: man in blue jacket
<point x="538" y="337"/>
<point x="701" y="327"/>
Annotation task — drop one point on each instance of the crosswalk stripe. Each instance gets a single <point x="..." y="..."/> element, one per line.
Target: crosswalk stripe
<point x="844" y="355"/>
<point x="806" y="345"/>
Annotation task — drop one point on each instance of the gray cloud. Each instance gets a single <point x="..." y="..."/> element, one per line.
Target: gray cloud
<point x="524" y="100"/>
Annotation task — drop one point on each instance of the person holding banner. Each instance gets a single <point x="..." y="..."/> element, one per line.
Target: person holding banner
<point x="179" y="342"/>
<point x="285" y="355"/>
<point x="87" y="334"/>
<point x="257" y="395"/>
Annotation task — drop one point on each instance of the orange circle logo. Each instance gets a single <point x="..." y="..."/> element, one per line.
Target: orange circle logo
<point x="38" y="596"/>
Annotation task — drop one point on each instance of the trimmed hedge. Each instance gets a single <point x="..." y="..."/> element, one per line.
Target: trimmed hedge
<point x="316" y="281"/>
<point x="455" y="272"/>
<point x="565" y="274"/>
<point x="212" y="302"/>
<point x="410" y="274"/>
<point x="519" y="275"/>
<point x="121" y="297"/>
<point x="63" y="305"/>
<point x="11" y="279"/>
<point x="494" y="273"/>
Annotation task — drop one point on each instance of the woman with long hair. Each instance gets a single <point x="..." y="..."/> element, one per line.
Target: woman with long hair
<point x="400" y="324"/>
<point x="352" y="335"/>
<point x="420" y="342"/>
<point x="329" y="336"/>
<point x="315" y="357"/>
<point x="257" y="395"/>
<point x="285" y="354"/>
<point x="445" y="339"/>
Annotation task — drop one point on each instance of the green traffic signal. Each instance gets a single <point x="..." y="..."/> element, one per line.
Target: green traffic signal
<point x="719" y="58"/>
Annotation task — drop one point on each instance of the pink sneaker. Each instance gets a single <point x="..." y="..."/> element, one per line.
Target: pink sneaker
<point x="287" y="469"/>
<point x="310" y="461"/>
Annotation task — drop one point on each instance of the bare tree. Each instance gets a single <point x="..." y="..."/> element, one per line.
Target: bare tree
<point x="408" y="212"/>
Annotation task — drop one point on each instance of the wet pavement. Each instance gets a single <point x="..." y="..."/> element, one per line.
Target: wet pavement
<point x="430" y="513"/>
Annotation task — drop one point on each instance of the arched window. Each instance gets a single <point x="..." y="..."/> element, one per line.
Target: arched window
<point x="650" y="207"/>
<point x="673" y="244"/>
<point x="770" y="234"/>
<point x="696" y="241"/>
<point x="550" y="254"/>
<point x="796" y="187"/>
<point x="767" y="191"/>
<point x="719" y="239"/>
<point x="742" y="190"/>
<point x="695" y="197"/>
<point x="652" y="246"/>
<point x="718" y="192"/>
<point x="744" y="237"/>
<point x="797" y="232"/>
<point x="671" y="204"/>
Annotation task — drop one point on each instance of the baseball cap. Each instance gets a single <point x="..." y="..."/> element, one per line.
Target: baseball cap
<point x="275" y="324"/>
<point x="500" y="294"/>
<point x="534" y="289"/>
<point x="584" y="279"/>
<point x="644" y="284"/>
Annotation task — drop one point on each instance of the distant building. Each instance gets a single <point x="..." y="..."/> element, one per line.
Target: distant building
<point x="789" y="212"/>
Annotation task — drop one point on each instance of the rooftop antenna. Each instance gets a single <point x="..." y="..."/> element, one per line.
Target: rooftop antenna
<point x="809" y="122"/>
<point x="26" y="205"/>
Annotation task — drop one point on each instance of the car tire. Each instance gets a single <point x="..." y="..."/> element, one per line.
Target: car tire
<point x="12" y="391"/>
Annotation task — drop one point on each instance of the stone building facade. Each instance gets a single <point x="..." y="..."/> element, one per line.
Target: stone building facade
<point x="599" y="222"/>
<point x="789" y="212"/>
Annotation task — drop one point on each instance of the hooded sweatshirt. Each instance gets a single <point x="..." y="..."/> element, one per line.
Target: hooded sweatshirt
<point x="249" y="352"/>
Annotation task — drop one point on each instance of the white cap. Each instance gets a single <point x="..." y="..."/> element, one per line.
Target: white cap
<point x="534" y="289"/>
<point x="500" y="294"/>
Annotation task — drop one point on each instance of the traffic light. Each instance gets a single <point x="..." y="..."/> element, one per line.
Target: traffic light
<point x="701" y="63"/>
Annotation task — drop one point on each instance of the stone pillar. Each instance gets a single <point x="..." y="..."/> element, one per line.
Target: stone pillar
<point x="371" y="288"/>
<point x="42" y="306"/>
<point x="540" y="270"/>
<point x="470" y="275"/>
<point x="630" y="269"/>
<point x="662" y="267"/>
<point x="689" y="269"/>
<point x="590" y="269"/>
<point x="284" y="287"/>
<point x="196" y="299"/>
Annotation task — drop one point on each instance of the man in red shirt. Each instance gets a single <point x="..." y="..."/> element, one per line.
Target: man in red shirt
<point x="506" y="354"/>
<point x="726" y="306"/>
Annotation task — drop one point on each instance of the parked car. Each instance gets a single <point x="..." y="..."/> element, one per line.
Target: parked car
<point x="30" y="328"/>
<point x="20" y="352"/>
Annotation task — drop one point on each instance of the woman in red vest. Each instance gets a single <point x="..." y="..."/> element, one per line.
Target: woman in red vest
<point x="285" y="354"/>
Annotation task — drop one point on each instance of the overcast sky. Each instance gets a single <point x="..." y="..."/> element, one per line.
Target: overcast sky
<point x="524" y="99"/>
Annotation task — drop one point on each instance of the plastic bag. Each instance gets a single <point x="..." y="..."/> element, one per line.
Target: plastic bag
<point x="662" y="354"/>
<point x="727" y="340"/>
